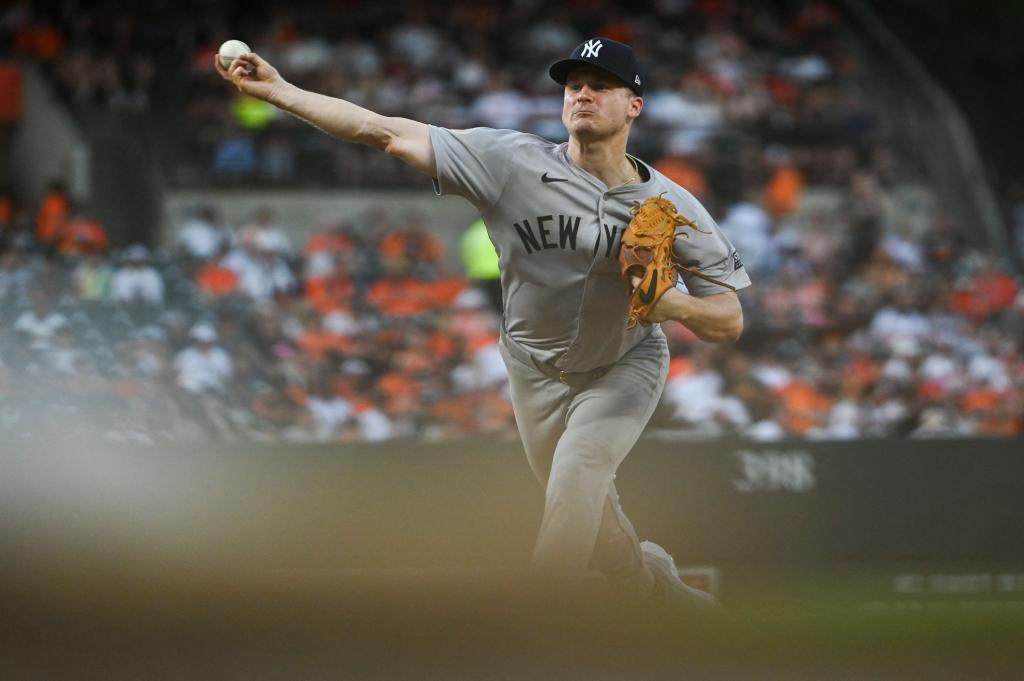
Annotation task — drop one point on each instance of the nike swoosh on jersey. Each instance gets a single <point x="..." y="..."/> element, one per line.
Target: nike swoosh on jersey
<point x="647" y="296"/>
<point x="548" y="180"/>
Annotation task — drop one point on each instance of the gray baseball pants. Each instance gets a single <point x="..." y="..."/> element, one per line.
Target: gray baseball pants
<point x="576" y="430"/>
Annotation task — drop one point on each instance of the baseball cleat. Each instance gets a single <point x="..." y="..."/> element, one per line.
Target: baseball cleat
<point x="668" y="587"/>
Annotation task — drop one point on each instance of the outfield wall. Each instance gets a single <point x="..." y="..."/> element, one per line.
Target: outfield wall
<point x="411" y="505"/>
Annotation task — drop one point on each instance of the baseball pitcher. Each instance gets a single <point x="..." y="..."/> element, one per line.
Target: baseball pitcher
<point x="591" y="243"/>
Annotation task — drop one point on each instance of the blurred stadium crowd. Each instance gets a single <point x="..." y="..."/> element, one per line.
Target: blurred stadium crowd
<point x="366" y="334"/>
<point x="239" y="335"/>
<point x="859" y="324"/>
<point x="725" y="80"/>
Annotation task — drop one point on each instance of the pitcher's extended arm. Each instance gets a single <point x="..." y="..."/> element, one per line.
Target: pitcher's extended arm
<point x="402" y="138"/>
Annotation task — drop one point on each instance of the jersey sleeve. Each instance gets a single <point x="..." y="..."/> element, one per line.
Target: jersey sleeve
<point x="708" y="250"/>
<point x="473" y="163"/>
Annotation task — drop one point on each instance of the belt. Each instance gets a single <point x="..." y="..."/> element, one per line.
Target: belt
<point x="569" y="378"/>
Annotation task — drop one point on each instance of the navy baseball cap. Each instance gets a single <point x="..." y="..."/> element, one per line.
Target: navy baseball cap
<point x="606" y="54"/>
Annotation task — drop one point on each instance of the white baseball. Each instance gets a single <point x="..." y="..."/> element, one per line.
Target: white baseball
<point x="231" y="49"/>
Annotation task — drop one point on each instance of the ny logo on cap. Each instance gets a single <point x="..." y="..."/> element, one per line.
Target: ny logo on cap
<point x="591" y="48"/>
<point x="636" y="79"/>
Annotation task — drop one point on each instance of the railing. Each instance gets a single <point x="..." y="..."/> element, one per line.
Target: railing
<point x="938" y="130"/>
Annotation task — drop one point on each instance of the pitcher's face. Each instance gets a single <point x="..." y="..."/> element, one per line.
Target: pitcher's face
<point x="597" y="104"/>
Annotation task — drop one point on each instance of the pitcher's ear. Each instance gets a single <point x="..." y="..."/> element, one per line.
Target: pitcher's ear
<point x="636" y="105"/>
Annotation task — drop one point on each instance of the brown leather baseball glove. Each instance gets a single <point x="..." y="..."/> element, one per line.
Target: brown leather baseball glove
<point x="646" y="253"/>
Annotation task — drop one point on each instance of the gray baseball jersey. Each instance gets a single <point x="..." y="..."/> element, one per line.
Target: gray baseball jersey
<point x="557" y="229"/>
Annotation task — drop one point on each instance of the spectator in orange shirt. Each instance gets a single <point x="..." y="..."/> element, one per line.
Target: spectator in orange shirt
<point x="401" y="296"/>
<point x="317" y="342"/>
<point x="784" y="189"/>
<point x="806" y="406"/>
<point x="408" y="246"/>
<point x="6" y="211"/>
<point x="680" y="166"/>
<point x="82" y="234"/>
<point x="333" y="240"/>
<point x="214" y="280"/>
<point x="335" y="291"/>
<point x="1003" y="419"/>
<point x="53" y="212"/>
<point x="42" y="41"/>
<point x="987" y="293"/>
<point x="979" y="398"/>
<point x="620" y="26"/>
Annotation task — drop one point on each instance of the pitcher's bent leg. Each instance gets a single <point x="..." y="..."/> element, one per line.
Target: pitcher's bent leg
<point x="603" y="423"/>
<point x="617" y="553"/>
<point x="580" y="480"/>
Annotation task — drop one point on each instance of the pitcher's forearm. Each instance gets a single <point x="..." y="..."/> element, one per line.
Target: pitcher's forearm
<point x="336" y="117"/>
<point x="715" y="319"/>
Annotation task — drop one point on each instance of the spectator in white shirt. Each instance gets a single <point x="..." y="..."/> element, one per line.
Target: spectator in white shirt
<point x="328" y="410"/>
<point x="482" y="369"/>
<point x="203" y="366"/>
<point x="41" y="322"/>
<point x="262" y="273"/>
<point x="204" y="236"/>
<point x="501" y="106"/>
<point x="136" y="281"/>
<point x="270" y="236"/>
<point x="749" y="228"/>
<point x="900" y="320"/>
<point x="374" y="424"/>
